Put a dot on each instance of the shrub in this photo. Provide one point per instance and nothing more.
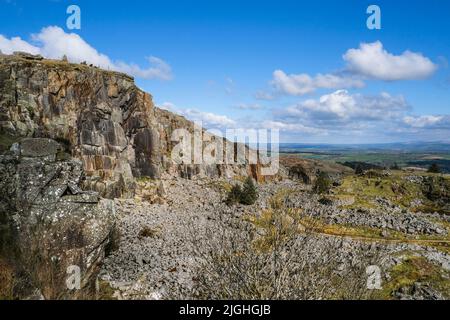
(326, 201)
(234, 195)
(246, 195)
(249, 193)
(359, 170)
(395, 166)
(323, 183)
(434, 168)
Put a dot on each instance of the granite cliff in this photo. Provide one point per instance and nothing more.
(70, 135)
(101, 117)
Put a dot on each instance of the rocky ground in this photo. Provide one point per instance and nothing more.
(156, 253)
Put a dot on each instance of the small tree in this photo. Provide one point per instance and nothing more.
(434, 168)
(359, 170)
(246, 195)
(249, 192)
(395, 166)
(323, 183)
(234, 195)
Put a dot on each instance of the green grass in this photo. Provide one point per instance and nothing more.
(416, 269)
(394, 188)
(378, 158)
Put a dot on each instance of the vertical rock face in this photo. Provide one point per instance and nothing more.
(49, 225)
(65, 128)
(100, 117)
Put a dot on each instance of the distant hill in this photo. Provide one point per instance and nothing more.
(429, 147)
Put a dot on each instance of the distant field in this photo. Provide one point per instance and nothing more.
(381, 155)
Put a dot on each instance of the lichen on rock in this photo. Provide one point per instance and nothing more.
(48, 222)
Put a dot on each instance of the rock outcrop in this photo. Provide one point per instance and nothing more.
(101, 117)
(48, 225)
(307, 170)
(66, 128)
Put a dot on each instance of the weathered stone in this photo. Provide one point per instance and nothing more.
(100, 117)
(51, 223)
(39, 147)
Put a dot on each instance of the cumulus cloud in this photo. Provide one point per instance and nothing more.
(53, 43)
(346, 117)
(369, 61)
(373, 61)
(301, 84)
(8, 46)
(427, 121)
(208, 119)
(292, 127)
(343, 106)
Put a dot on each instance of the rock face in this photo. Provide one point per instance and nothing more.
(307, 170)
(47, 222)
(100, 117)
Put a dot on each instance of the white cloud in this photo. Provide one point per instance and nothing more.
(53, 43)
(292, 127)
(342, 106)
(423, 121)
(373, 61)
(301, 84)
(369, 61)
(208, 119)
(169, 106)
(355, 117)
(8, 46)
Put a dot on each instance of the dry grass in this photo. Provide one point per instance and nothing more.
(148, 232)
(264, 257)
(7, 281)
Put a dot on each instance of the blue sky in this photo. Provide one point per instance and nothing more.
(266, 64)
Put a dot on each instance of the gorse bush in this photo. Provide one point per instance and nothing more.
(359, 170)
(323, 183)
(249, 192)
(434, 168)
(234, 195)
(246, 195)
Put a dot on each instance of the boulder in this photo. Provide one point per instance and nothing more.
(50, 225)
